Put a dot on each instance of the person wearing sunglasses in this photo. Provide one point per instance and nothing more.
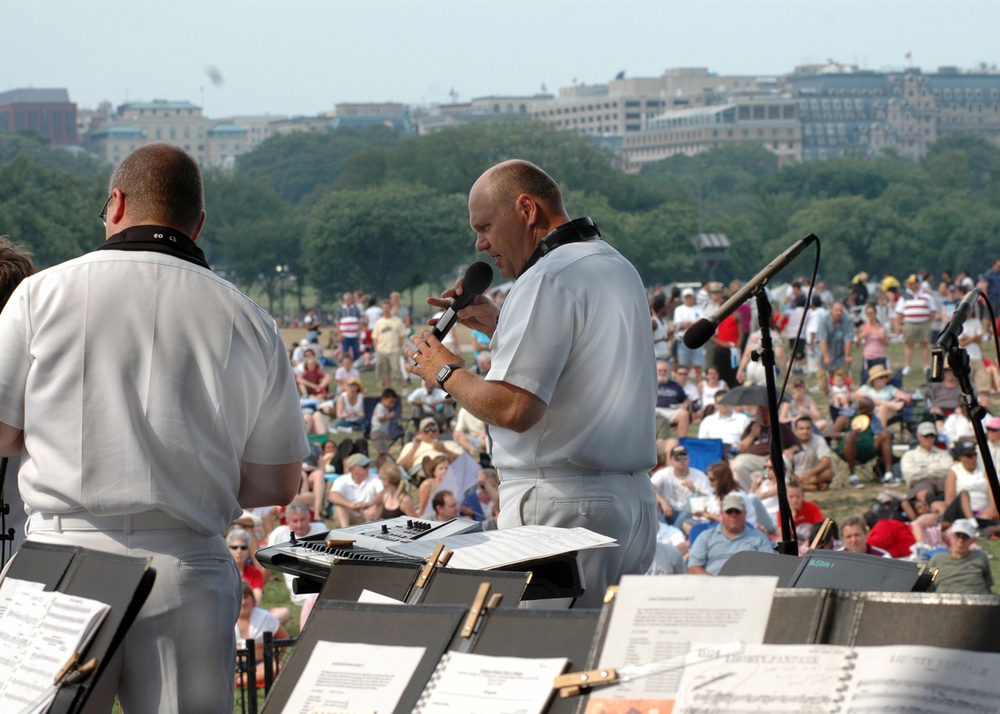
(426, 443)
(157, 403)
(717, 545)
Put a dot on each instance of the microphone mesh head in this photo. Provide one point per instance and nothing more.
(478, 278)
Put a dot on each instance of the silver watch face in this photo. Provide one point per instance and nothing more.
(443, 374)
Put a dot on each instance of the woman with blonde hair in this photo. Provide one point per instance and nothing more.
(394, 499)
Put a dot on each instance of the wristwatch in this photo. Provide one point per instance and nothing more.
(445, 372)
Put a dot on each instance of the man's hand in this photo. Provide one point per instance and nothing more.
(480, 315)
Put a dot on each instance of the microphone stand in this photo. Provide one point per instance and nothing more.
(958, 360)
(788, 544)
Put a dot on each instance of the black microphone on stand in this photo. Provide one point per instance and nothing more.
(700, 332)
(949, 336)
(477, 279)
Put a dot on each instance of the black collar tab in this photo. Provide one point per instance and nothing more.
(157, 239)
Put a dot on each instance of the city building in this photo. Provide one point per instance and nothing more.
(48, 112)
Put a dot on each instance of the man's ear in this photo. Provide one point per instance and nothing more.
(197, 230)
(526, 208)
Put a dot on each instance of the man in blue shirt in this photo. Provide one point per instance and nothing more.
(717, 545)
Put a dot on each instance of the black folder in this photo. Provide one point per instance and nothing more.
(120, 581)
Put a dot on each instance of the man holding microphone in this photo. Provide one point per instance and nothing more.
(571, 392)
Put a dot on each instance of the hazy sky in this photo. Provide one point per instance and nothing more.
(304, 56)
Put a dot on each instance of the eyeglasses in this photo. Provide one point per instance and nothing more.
(239, 547)
(681, 455)
(104, 211)
(734, 512)
(681, 374)
(430, 430)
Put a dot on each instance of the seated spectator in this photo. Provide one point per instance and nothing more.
(484, 360)
(426, 442)
(298, 521)
(804, 513)
(862, 438)
(691, 392)
(251, 624)
(967, 493)
(482, 501)
(962, 569)
(429, 480)
(888, 400)
(751, 371)
(894, 537)
(765, 488)
(840, 395)
(958, 427)
(676, 482)
(943, 397)
(854, 531)
(710, 509)
(925, 462)
(470, 432)
(755, 446)
(394, 499)
(431, 401)
(385, 411)
(239, 541)
(724, 423)
(710, 386)
(811, 457)
(312, 380)
(717, 545)
(353, 494)
(801, 405)
(672, 406)
(350, 407)
(345, 372)
(445, 506)
(993, 438)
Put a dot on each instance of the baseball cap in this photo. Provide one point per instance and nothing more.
(733, 500)
(357, 460)
(965, 526)
(678, 451)
(427, 421)
(994, 423)
(798, 383)
(687, 292)
(963, 448)
(926, 428)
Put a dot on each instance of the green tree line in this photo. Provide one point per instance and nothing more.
(374, 210)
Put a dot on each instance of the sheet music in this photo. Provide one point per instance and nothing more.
(42, 630)
(778, 679)
(494, 549)
(656, 618)
(485, 684)
(922, 680)
(353, 677)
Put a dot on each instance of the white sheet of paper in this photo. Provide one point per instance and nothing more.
(494, 549)
(370, 596)
(42, 630)
(923, 680)
(491, 685)
(352, 676)
(655, 618)
(778, 679)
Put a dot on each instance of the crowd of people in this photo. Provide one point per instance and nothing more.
(203, 420)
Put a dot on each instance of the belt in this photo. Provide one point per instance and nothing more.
(83, 521)
(556, 472)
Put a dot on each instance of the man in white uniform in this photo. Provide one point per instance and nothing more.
(570, 394)
(152, 402)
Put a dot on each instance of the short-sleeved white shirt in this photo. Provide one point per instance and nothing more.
(574, 331)
(352, 492)
(141, 381)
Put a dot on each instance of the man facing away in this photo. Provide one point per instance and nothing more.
(152, 402)
(570, 394)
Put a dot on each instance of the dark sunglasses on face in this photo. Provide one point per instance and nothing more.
(733, 511)
(429, 430)
(239, 547)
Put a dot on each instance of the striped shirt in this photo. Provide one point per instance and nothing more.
(916, 308)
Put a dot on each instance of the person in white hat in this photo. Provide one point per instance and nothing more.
(962, 569)
(684, 317)
(889, 399)
(925, 462)
(354, 492)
